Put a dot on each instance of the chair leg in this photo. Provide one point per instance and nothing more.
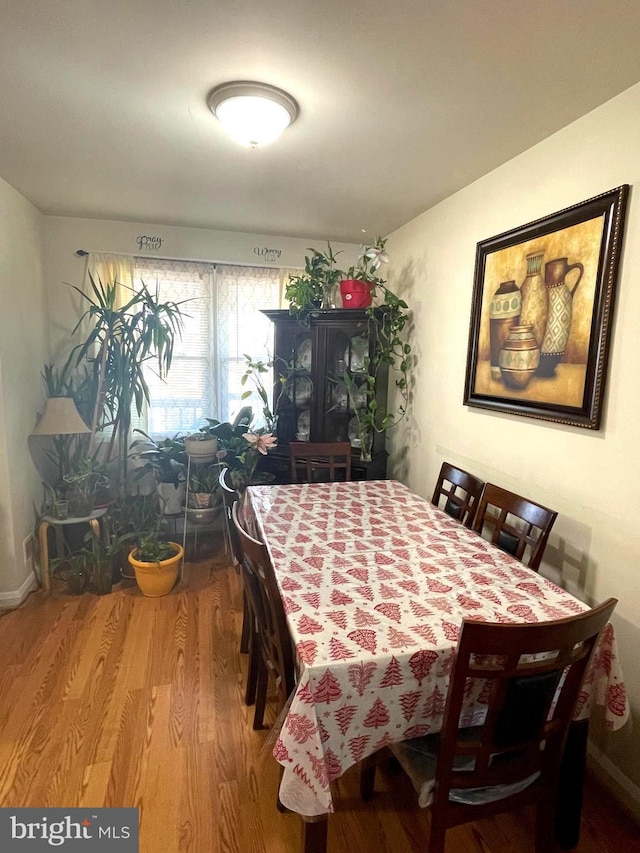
(279, 805)
(437, 835)
(261, 693)
(253, 668)
(367, 777)
(570, 789)
(246, 625)
(545, 841)
(314, 835)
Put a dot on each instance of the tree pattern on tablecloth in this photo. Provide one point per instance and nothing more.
(375, 584)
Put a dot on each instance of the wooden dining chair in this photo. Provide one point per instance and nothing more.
(531, 676)
(315, 461)
(457, 492)
(516, 525)
(229, 497)
(270, 648)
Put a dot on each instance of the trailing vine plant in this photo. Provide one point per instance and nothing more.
(388, 317)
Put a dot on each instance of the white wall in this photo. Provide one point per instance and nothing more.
(64, 235)
(590, 477)
(23, 351)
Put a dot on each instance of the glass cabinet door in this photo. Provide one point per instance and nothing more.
(293, 392)
(320, 383)
(347, 354)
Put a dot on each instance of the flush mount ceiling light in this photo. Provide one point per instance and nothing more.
(252, 113)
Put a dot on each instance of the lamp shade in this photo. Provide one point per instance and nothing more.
(253, 114)
(60, 418)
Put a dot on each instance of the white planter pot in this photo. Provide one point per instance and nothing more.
(201, 451)
(203, 516)
(172, 498)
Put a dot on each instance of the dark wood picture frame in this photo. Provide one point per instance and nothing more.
(543, 298)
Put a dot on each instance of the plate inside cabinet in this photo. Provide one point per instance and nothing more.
(304, 355)
(304, 425)
(359, 353)
(302, 390)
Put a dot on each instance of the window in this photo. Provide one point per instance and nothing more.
(222, 323)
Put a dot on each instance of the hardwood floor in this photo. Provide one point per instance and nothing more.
(122, 700)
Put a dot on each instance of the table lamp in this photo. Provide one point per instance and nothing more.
(60, 417)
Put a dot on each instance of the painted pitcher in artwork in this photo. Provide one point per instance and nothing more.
(558, 325)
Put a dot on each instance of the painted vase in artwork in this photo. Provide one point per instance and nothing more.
(519, 357)
(535, 300)
(504, 311)
(559, 318)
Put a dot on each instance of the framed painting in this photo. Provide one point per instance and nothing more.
(541, 314)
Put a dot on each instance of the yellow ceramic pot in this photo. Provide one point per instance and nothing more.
(156, 579)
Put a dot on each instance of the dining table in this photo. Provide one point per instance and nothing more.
(375, 582)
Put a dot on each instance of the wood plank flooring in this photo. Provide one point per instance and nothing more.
(122, 700)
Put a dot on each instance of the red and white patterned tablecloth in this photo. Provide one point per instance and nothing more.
(375, 583)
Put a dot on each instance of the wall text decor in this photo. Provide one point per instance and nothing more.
(149, 244)
(267, 254)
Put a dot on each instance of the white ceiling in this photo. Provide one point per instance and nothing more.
(103, 104)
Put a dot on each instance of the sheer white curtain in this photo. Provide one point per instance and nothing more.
(222, 323)
(242, 330)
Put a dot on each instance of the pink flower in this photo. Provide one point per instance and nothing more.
(262, 443)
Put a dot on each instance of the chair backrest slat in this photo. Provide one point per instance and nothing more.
(457, 492)
(312, 459)
(528, 532)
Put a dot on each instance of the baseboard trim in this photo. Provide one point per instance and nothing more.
(623, 789)
(17, 596)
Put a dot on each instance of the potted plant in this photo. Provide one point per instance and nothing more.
(240, 447)
(205, 499)
(166, 460)
(75, 568)
(122, 338)
(201, 446)
(358, 283)
(204, 486)
(129, 515)
(88, 486)
(156, 564)
(314, 288)
(387, 316)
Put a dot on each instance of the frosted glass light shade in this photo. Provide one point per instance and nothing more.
(253, 114)
(60, 417)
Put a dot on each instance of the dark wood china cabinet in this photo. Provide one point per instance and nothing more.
(315, 404)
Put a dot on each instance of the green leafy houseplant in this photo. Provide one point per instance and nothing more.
(152, 549)
(121, 340)
(156, 564)
(240, 448)
(76, 568)
(88, 483)
(388, 316)
(204, 487)
(255, 372)
(312, 289)
(165, 459)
